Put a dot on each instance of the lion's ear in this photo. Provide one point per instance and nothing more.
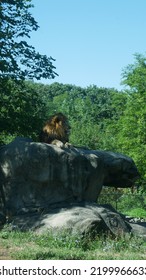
(57, 121)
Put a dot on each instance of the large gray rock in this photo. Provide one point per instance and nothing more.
(81, 218)
(119, 170)
(37, 177)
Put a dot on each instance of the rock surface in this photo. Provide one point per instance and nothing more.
(82, 217)
(79, 218)
(40, 178)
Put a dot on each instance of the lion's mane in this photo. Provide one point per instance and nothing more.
(56, 128)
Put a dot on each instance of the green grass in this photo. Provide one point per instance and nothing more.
(63, 246)
(136, 212)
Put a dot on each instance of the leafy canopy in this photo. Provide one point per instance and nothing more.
(18, 59)
(131, 127)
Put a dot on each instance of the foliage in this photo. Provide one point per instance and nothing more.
(132, 201)
(90, 108)
(22, 110)
(19, 60)
(111, 196)
(134, 75)
(131, 127)
(136, 212)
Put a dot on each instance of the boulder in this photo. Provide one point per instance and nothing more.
(37, 175)
(120, 170)
(83, 218)
(38, 178)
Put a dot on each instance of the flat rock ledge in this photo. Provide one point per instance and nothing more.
(79, 218)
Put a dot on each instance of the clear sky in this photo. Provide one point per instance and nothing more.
(91, 40)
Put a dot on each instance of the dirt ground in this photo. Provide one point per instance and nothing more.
(4, 253)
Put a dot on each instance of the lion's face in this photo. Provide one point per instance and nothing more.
(57, 127)
(60, 126)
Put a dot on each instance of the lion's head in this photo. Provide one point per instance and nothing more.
(56, 128)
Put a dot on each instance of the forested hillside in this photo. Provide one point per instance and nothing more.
(101, 118)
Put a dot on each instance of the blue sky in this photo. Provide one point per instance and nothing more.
(91, 40)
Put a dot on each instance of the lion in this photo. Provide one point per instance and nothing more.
(56, 131)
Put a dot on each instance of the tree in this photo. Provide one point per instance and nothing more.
(131, 128)
(23, 111)
(18, 59)
(134, 75)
